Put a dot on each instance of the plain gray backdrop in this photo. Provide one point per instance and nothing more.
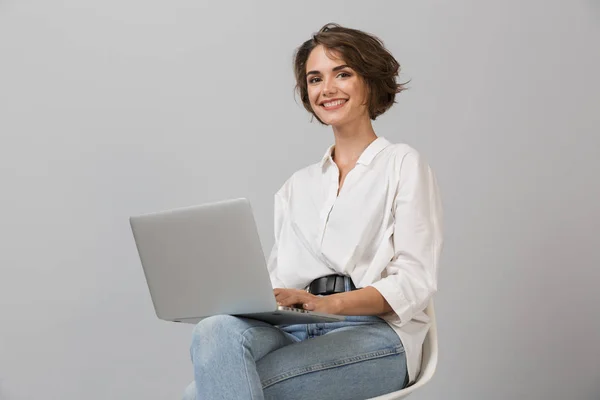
(117, 107)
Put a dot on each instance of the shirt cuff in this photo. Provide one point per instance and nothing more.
(400, 305)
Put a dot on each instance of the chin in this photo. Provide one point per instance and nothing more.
(336, 121)
(332, 120)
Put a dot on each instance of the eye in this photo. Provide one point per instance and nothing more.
(344, 73)
(312, 80)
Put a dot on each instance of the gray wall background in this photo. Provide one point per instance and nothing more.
(117, 107)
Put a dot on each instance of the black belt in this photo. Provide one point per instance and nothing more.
(331, 284)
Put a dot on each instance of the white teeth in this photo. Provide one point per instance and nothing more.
(334, 103)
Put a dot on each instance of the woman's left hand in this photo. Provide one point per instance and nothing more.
(307, 301)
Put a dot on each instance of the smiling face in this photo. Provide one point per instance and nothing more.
(337, 94)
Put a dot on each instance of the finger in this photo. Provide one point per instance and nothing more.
(283, 292)
(288, 297)
(283, 295)
(290, 300)
(286, 300)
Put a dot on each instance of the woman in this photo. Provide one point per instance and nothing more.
(369, 213)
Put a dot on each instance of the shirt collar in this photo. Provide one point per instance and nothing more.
(367, 155)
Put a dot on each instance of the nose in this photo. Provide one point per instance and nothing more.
(328, 87)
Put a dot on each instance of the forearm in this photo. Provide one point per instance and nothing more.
(366, 301)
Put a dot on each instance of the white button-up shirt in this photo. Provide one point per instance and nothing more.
(384, 230)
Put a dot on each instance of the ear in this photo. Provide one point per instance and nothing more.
(368, 92)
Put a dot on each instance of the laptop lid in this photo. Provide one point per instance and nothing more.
(203, 260)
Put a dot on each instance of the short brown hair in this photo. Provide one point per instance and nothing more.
(365, 54)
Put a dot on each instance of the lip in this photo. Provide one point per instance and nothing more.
(322, 104)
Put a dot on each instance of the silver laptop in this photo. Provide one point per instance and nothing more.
(207, 260)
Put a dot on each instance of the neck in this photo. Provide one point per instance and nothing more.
(351, 140)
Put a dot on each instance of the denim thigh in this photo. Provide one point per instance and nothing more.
(359, 358)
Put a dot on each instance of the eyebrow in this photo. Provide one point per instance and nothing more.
(333, 69)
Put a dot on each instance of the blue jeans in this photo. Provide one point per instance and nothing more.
(240, 358)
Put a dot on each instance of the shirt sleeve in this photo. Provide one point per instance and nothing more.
(272, 264)
(410, 278)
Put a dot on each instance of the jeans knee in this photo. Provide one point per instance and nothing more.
(212, 335)
(217, 326)
(216, 332)
(190, 392)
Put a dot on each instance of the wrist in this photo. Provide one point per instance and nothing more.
(337, 303)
